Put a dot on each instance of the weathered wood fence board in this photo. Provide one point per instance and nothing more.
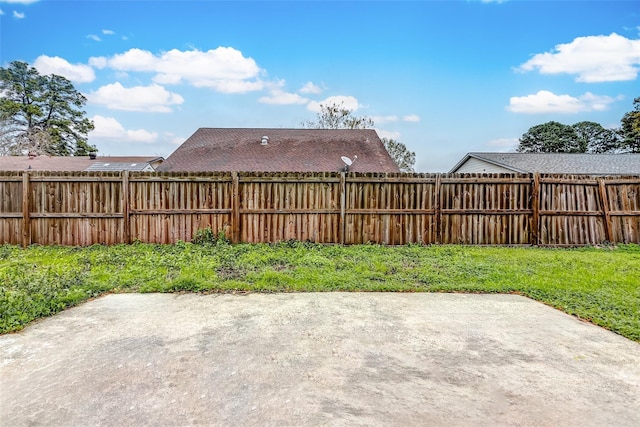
(572, 212)
(481, 211)
(277, 207)
(381, 210)
(82, 208)
(166, 210)
(623, 199)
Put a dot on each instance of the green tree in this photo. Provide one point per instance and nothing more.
(581, 137)
(404, 158)
(550, 137)
(630, 129)
(336, 116)
(42, 114)
(593, 138)
(339, 117)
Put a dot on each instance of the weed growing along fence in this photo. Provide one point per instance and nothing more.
(84, 208)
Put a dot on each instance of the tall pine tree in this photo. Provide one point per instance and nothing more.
(41, 114)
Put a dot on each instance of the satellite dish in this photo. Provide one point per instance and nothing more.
(347, 161)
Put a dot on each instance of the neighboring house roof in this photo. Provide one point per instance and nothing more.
(80, 163)
(120, 166)
(553, 163)
(287, 150)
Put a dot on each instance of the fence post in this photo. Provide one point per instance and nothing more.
(535, 207)
(438, 209)
(126, 217)
(343, 204)
(605, 209)
(26, 218)
(235, 207)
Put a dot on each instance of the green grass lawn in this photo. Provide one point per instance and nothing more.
(601, 285)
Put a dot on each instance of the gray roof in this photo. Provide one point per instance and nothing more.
(119, 166)
(287, 150)
(561, 163)
(79, 163)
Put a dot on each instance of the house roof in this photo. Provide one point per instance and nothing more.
(80, 163)
(561, 163)
(119, 166)
(288, 150)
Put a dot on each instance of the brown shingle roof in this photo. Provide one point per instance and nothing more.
(72, 164)
(288, 150)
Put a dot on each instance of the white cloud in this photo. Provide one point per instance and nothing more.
(385, 119)
(142, 135)
(94, 38)
(174, 139)
(279, 97)
(154, 98)
(98, 62)
(387, 134)
(110, 128)
(19, 1)
(1, 12)
(18, 15)
(166, 79)
(503, 144)
(310, 88)
(348, 102)
(548, 102)
(233, 86)
(108, 32)
(224, 69)
(393, 118)
(106, 127)
(77, 73)
(591, 59)
(133, 60)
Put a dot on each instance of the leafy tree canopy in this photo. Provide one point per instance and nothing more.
(630, 129)
(404, 158)
(339, 117)
(336, 116)
(41, 114)
(593, 138)
(582, 137)
(550, 137)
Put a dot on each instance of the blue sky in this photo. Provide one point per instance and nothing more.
(443, 77)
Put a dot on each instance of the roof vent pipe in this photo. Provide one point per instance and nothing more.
(265, 140)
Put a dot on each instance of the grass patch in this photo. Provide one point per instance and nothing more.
(601, 285)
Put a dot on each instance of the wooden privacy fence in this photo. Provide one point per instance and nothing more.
(84, 208)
